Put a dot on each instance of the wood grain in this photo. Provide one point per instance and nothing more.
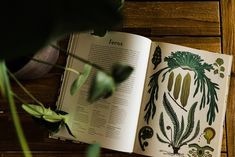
(228, 42)
(172, 18)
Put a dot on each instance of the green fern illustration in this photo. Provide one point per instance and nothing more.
(180, 134)
(204, 85)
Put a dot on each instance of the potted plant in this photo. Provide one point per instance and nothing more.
(58, 19)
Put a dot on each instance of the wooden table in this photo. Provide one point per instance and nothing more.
(208, 25)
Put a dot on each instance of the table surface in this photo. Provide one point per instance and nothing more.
(208, 25)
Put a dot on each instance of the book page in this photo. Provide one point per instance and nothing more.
(110, 122)
(184, 102)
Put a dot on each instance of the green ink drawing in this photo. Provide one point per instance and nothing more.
(157, 57)
(170, 81)
(145, 133)
(185, 90)
(219, 68)
(198, 151)
(180, 134)
(177, 86)
(192, 63)
(209, 134)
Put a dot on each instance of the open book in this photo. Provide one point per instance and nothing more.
(173, 104)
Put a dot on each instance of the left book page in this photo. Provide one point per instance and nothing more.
(110, 122)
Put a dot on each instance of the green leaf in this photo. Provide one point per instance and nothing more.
(102, 86)
(162, 126)
(33, 110)
(121, 72)
(3, 74)
(41, 112)
(6, 88)
(220, 61)
(81, 79)
(93, 150)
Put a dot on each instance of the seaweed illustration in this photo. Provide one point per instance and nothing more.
(209, 134)
(157, 57)
(145, 133)
(191, 62)
(219, 70)
(198, 151)
(180, 134)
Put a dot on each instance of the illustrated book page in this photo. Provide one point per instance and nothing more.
(110, 122)
(184, 102)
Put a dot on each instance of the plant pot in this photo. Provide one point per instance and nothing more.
(25, 68)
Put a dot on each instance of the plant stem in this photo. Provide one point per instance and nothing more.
(24, 89)
(78, 58)
(56, 65)
(14, 114)
(19, 98)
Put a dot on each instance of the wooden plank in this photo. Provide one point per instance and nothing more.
(204, 43)
(228, 36)
(172, 18)
(74, 154)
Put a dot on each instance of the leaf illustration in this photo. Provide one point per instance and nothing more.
(170, 81)
(197, 130)
(222, 69)
(162, 126)
(177, 86)
(216, 71)
(171, 113)
(220, 61)
(157, 57)
(161, 140)
(190, 124)
(185, 90)
(179, 134)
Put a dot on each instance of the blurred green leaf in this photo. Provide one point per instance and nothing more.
(3, 73)
(93, 150)
(77, 83)
(52, 127)
(7, 92)
(52, 120)
(102, 86)
(121, 72)
(34, 110)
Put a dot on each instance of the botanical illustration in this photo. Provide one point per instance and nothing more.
(198, 151)
(145, 133)
(178, 134)
(209, 134)
(184, 89)
(188, 62)
(157, 57)
(219, 68)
